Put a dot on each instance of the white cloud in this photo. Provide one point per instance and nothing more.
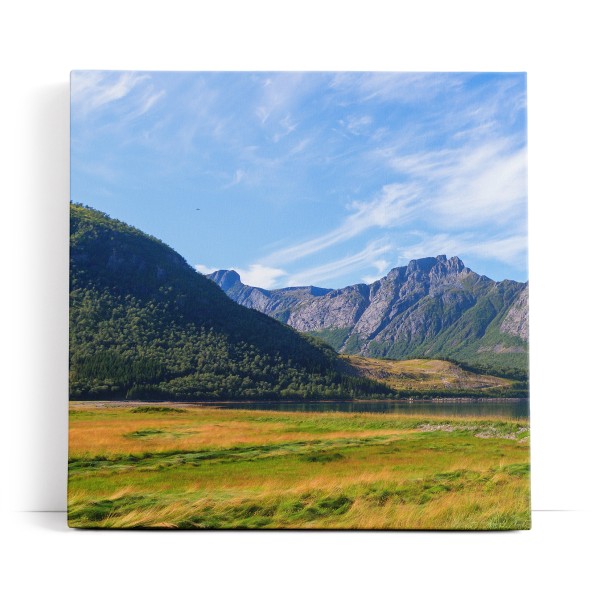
(256, 275)
(237, 178)
(150, 99)
(116, 91)
(83, 83)
(205, 270)
(287, 126)
(483, 187)
(487, 185)
(394, 205)
(300, 146)
(263, 112)
(357, 125)
(397, 87)
(382, 267)
(91, 90)
(471, 186)
(367, 257)
(427, 165)
(280, 92)
(508, 249)
(260, 275)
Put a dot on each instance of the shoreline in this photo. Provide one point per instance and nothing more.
(403, 401)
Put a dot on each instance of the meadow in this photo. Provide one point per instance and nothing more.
(426, 375)
(143, 465)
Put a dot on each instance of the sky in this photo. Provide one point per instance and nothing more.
(326, 179)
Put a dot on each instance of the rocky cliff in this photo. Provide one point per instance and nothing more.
(430, 307)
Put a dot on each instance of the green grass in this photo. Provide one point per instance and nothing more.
(251, 469)
(335, 337)
(156, 409)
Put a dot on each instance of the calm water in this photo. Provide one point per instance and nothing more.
(510, 409)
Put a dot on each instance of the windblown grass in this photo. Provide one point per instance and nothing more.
(210, 468)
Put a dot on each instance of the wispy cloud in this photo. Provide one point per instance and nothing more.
(483, 191)
(396, 87)
(260, 275)
(237, 179)
(506, 248)
(339, 160)
(90, 90)
(381, 267)
(256, 275)
(469, 186)
(509, 250)
(280, 92)
(394, 205)
(357, 125)
(449, 188)
(369, 257)
(149, 100)
(286, 126)
(300, 146)
(206, 270)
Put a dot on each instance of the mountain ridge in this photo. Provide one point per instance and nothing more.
(431, 307)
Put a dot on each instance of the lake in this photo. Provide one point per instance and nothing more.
(511, 408)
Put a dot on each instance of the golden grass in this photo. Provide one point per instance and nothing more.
(111, 437)
(423, 374)
(332, 470)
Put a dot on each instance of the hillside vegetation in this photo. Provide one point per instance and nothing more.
(144, 324)
(428, 375)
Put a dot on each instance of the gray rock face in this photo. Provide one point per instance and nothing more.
(336, 309)
(516, 321)
(431, 306)
(276, 303)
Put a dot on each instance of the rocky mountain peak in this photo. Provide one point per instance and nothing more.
(225, 279)
(440, 262)
(394, 274)
(447, 267)
(432, 305)
(423, 265)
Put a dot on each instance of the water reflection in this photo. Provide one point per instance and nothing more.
(509, 409)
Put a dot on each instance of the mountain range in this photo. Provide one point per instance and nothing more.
(143, 324)
(432, 307)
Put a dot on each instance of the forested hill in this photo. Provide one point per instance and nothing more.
(146, 325)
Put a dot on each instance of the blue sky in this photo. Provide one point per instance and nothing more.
(314, 178)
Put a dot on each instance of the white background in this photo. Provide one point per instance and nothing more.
(555, 42)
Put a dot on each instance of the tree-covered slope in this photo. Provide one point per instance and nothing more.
(144, 324)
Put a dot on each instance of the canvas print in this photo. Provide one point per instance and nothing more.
(298, 301)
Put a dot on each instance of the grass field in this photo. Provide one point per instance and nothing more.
(424, 374)
(180, 466)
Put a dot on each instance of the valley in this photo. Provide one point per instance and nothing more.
(173, 387)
